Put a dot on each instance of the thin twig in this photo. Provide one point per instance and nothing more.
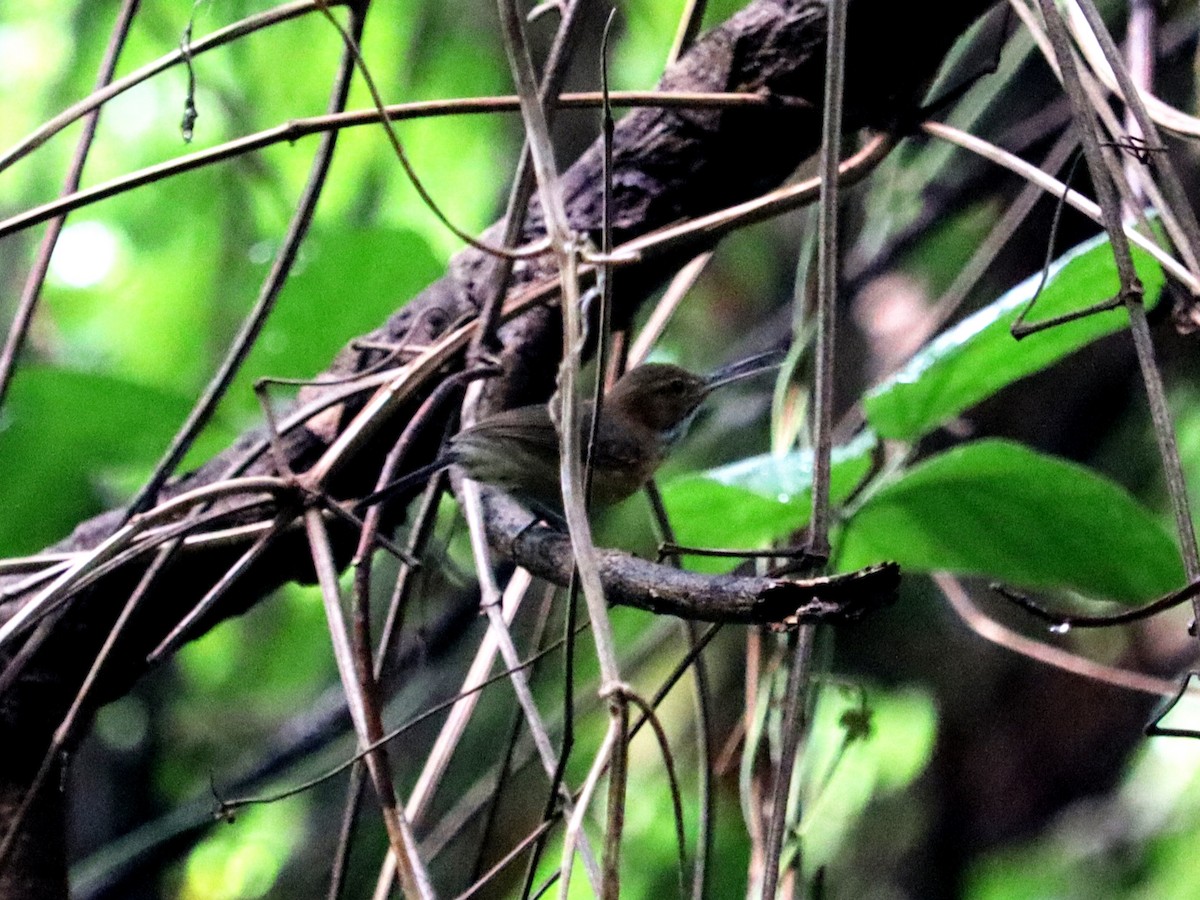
(661, 315)
(574, 833)
(1090, 40)
(1052, 185)
(554, 73)
(487, 834)
(37, 275)
(228, 806)
(180, 632)
(87, 563)
(704, 748)
(690, 20)
(405, 163)
(98, 98)
(1061, 623)
(618, 782)
(447, 740)
(67, 729)
(565, 247)
(392, 628)
(991, 630)
(664, 745)
(295, 129)
(797, 696)
(604, 289)
(533, 837)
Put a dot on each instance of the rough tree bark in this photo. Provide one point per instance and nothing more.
(670, 165)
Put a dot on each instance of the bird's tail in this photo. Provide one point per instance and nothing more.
(405, 482)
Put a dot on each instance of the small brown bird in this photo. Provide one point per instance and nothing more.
(644, 415)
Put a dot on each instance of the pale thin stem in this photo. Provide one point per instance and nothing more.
(618, 782)
(1095, 46)
(392, 626)
(1177, 199)
(66, 730)
(473, 511)
(456, 723)
(517, 210)
(565, 248)
(665, 309)
(86, 564)
(690, 20)
(795, 725)
(413, 876)
(176, 637)
(574, 835)
(1141, 38)
(796, 699)
(1176, 216)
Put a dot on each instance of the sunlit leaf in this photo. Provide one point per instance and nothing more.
(754, 502)
(1000, 510)
(979, 356)
(845, 771)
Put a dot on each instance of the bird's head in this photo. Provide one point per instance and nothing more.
(661, 397)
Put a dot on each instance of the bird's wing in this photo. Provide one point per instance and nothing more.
(527, 425)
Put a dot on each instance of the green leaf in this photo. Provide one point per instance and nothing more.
(979, 356)
(998, 509)
(760, 500)
(63, 435)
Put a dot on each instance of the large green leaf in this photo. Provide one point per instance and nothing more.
(998, 509)
(64, 435)
(760, 500)
(979, 356)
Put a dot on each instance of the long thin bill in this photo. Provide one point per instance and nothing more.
(744, 368)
